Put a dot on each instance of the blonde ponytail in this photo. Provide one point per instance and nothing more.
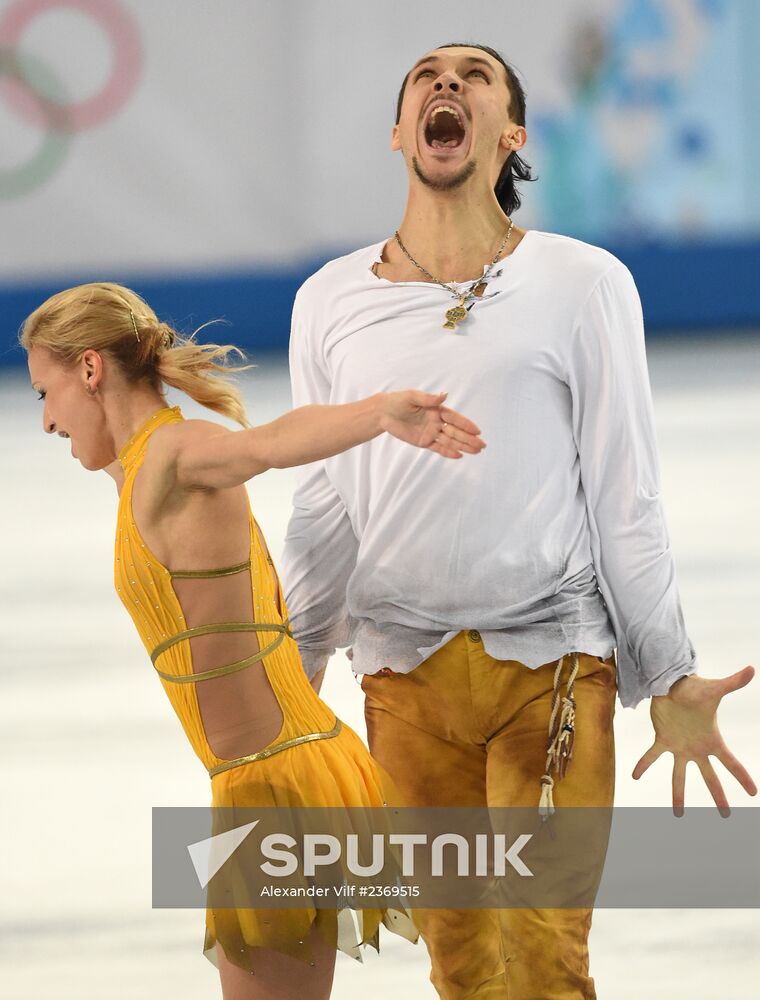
(107, 317)
(195, 370)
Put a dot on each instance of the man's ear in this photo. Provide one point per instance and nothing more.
(513, 138)
(395, 139)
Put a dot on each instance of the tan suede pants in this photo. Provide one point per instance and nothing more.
(464, 729)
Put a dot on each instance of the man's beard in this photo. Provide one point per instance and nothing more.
(445, 183)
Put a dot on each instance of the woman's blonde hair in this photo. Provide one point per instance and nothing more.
(104, 316)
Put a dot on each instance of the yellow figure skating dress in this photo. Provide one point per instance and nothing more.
(314, 760)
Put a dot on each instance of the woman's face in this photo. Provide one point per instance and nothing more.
(69, 410)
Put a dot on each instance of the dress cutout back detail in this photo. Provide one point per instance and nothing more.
(313, 762)
(153, 580)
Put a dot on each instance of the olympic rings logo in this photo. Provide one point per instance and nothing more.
(34, 92)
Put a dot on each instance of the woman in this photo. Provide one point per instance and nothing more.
(99, 357)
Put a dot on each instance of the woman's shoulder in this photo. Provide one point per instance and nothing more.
(166, 446)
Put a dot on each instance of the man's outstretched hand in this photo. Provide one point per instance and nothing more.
(685, 722)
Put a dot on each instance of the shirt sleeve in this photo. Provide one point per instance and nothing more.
(613, 424)
(320, 548)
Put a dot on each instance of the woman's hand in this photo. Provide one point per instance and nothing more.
(419, 418)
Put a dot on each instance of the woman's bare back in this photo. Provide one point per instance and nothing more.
(204, 529)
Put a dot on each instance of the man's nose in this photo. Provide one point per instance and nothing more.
(447, 81)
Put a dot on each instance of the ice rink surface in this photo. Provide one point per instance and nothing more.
(90, 743)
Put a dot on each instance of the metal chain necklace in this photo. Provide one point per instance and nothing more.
(458, 313)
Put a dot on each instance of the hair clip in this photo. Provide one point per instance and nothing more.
(134, 324)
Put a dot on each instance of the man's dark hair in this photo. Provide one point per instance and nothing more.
(515, 168)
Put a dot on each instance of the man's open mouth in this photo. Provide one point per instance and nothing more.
(445, 127)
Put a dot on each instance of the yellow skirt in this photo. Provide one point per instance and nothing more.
(324, 773)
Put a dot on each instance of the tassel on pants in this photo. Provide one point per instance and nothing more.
(464, 729)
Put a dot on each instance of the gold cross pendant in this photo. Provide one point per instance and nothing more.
(455, 315)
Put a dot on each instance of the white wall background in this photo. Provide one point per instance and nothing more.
(258, 132)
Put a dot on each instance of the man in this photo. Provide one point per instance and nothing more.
(484, 602)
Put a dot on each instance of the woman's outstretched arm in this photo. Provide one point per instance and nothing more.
(206, 456)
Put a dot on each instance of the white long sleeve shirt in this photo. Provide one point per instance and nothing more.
(553, 538)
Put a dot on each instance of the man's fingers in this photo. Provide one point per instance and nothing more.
(679, 785)
(648, 758)
(736, 681)
(713, 783)
(739, 771)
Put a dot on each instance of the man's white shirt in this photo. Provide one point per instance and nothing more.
(553, 538)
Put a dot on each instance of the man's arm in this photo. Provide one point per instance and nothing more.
(613, 424)
(614, 427)
(320, 545)
(317, 561)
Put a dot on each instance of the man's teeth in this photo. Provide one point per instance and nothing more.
(450, 110)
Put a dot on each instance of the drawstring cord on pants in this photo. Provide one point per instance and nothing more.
(561, 735)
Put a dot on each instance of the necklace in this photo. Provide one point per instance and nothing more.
(458, 313)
